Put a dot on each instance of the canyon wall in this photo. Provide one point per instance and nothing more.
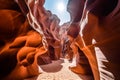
(99, 36)
(30, 35)
(22, 49)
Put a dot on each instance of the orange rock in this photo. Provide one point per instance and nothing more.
(76, 10)
(24, 63)
(20, 45)
(8, 29)
(34, 40)
(99, 36)
(24, 52)
(30, 57)
(19, 42)
(81, 69)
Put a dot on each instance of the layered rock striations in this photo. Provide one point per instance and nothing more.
(30, 36)
(99, 36)
(20, 44)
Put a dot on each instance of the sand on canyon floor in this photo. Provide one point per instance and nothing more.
(59, 70)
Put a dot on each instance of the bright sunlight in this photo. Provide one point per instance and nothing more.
(61, 7)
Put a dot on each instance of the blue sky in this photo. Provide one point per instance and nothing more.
(58, 7)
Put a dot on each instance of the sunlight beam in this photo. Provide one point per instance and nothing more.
(61, 7)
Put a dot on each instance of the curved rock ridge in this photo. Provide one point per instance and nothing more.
(98, 37)
(30, 36)
(22, 49)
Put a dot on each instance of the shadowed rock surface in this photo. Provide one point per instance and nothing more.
(20, 44)
(30, 36)
(99, 37)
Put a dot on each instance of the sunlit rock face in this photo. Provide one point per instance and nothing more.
(99, 31)
(47, 24)
(29, 37)
(22, 49)
(104, 38)
(80, 62)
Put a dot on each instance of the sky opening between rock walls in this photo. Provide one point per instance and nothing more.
(58, 7)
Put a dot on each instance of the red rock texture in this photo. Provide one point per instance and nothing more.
(25, 40)
(20, 45)
(45, 23)
(99, 36)
(90, 40)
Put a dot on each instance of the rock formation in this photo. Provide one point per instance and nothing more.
(103, 41)
(99, 36)
(80, 62)
(45, 23)
(30, 36)
(20, 45)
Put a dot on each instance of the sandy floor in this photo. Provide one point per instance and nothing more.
(58, 70)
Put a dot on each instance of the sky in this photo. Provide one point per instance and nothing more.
(58, 7)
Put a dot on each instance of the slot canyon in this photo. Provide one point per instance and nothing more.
(34, 45)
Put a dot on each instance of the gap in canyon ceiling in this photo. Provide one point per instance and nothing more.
(59, 8)
(59, 39)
